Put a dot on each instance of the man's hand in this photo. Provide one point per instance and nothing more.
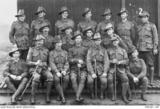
(64, 72)
(94, 76)
(39, 63)
(80, 61)
(79, 65)
(18, 77)
(13, 77)
(58, 74)
(155, 51)
(104, 75)
(135, 79)
(115, 61)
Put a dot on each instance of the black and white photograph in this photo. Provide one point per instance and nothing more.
(88, 53)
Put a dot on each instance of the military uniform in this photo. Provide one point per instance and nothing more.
(35, 54)
(60, 24)
(58, 60)
(138, 69)
(16, 68)
(120, 69)
(49, 42)
(126, 31)
(37, 24)
(77, 53)
(97, 55)
(19, 35)
(147, 42)
(87, 22)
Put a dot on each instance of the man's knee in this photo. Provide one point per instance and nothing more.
(66, 78)
(36, 77)
(145, 81)
(103, 80)
(7, 80)
(24, 80)
(73, 77)
(49, 76)
(57, 79)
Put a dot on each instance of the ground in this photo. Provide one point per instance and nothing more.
(153, 99)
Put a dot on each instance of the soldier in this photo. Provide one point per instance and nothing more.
(138, 72)
(107, 41)
(38, 23)
(58, 61)
(15, 74)
(38, 60)
(97, 65)
(107, 19)
(88, 42)
(19, 34)
(64, 21)
(67, 38)
(118, 61)
(87, 14)
(49, 39)
(147, 42)
(77, 57)
(126, 30)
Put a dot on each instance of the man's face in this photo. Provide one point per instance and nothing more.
(110, 31)
(45, 31)
(16, 55)
(135, 54)
(124, 15)
(22, 18)
(108, 17)
(98, 41)
(65, 14)
(68, 31)
(89, 33)
(144, 19)
(41, 14)
(39, 43)
(58, 45)
(78, 39)
(115, 42)
(88, 15)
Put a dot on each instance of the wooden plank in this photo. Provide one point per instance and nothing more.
(158, 14)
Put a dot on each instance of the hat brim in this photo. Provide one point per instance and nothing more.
(105, 14)
(122, 12)
(62, 11)
(19, 15)
(86, 13)
(74, 37)
(141, 16)
(67, 28)
(41, 29)
(36, 13)
(90, 29)
(12, 52)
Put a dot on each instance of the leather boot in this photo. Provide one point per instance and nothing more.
(19, 90)
(79, 91)
(112, 92)
(151, 72)
(124, 92)
(49, 87)
(33, 90)
(143, 97)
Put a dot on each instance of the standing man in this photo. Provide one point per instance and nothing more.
(58, 61)
(147, 42)
(137, 74)
(107, 19)
(49, 39)
(38, 23)
(126, 30)
(87, 14)
(38, 61)
(88, 42)
(118, 61)
(19, 34)
(64, 21)
(67, 40)
(77, 58)
(97, 65)
(15, 74)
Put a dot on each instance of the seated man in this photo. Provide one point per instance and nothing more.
(97, 65)
(138, 72)
(58, 61)
(118, 60)
(77, 57)
(37, 59)
(15, 74)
